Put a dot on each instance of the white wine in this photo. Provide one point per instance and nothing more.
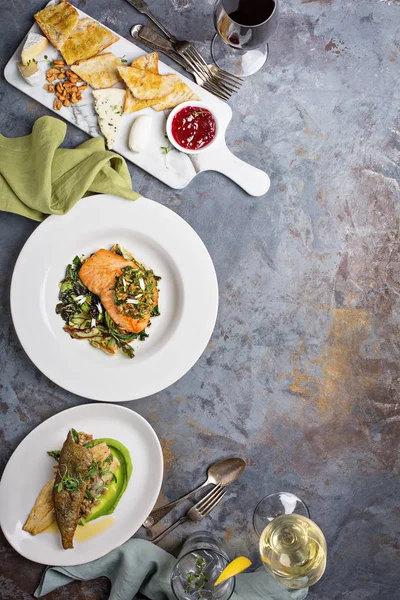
(294, 549)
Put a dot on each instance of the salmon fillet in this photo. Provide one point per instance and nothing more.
(98, 273)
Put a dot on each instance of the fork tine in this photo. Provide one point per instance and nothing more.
(196, 54)
(214, 86)
(215, 503)
(201, 65)
(210, 85)
(210, 89)
(209, 496)
(222, 84)
(232, 84)
(229, 79)
(236, 78)
(213, 89)
(210, 502)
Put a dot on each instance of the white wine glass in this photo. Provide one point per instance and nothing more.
(244, 28)
(292, 547)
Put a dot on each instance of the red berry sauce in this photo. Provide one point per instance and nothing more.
(193, 127)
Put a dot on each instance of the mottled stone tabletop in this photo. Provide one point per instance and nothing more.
(302, 375)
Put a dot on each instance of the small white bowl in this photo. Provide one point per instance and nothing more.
(169, 127)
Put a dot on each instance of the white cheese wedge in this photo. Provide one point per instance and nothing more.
(31, 73)
(34, 45)
(109, 105)
(140, 134)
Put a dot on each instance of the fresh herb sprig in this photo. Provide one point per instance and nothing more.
(197, 579)
(68, 482)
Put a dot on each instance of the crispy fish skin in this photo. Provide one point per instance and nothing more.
(76, 461)
(98, 273)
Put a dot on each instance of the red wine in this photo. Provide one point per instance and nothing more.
(249, 12)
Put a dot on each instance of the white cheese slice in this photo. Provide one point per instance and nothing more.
(31, 73)
(34, 45)
(109, 104)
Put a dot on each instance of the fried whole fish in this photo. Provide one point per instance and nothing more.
(69, 488)
(98, 273)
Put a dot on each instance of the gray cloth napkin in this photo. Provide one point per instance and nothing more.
(140, 566)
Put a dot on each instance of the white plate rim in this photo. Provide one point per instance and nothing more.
(196, 349)
(70, 559)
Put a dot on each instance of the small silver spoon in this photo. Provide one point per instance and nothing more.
(221, 473)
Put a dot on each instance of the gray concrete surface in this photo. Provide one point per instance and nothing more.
(301, 376)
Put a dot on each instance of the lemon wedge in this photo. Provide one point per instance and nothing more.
(238, 565)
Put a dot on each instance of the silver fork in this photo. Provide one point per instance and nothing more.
(210, 73)
(197, 512)
(155, 41)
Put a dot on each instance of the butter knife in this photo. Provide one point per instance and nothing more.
(149, 37)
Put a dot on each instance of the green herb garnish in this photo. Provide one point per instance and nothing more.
(197, 579)
(92, 470)
(89, 495)
(68, 482)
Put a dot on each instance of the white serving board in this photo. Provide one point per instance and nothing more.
(175, 169)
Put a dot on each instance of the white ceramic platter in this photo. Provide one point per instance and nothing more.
(188, 301)
(176, 169)
(29, 468)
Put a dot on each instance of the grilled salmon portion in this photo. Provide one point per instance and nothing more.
(98, 273)
(69, 488)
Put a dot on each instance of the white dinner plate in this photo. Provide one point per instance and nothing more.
(188, 299)
(29, 468)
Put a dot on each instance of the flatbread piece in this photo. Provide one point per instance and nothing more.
(99, 71)
(180, 93)
(57, 22)
(87, 39)
(148, 62)
(145, 85)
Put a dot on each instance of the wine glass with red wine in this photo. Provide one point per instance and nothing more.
(244, 28)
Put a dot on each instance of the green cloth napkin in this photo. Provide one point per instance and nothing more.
(142, 567)
(37, 178)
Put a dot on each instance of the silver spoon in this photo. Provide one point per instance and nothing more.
(222, 472)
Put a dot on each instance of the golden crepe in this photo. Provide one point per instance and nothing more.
(148, 62)
(145, 85)
(99, 71)
(180, 93)
(57, 22)
(87, 39)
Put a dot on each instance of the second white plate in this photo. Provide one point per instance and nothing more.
(157, 237)
(29, 468)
